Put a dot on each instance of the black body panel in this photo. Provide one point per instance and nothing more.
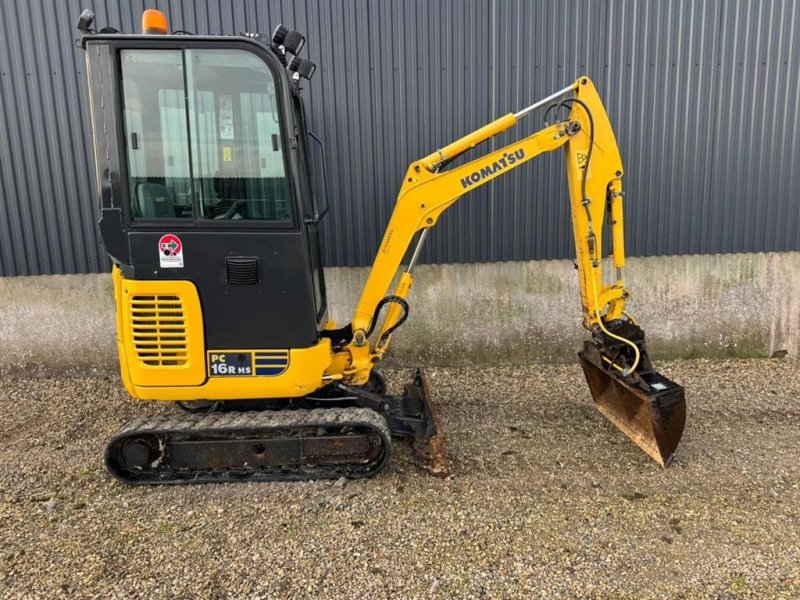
(277, 312)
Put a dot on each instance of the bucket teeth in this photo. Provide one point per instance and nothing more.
(646, 406)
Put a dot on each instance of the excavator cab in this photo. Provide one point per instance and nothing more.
(207, 179)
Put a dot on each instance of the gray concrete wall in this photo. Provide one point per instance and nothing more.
(734, 305)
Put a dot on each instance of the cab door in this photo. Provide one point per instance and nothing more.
(209, 161)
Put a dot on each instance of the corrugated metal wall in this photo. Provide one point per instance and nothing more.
(704, 96)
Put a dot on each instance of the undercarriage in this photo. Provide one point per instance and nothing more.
(338, 432)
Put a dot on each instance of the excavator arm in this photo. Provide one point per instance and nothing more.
(645, 405)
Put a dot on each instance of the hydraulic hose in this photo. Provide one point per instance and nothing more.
(629, 317)
(637, 355)
(595, 264)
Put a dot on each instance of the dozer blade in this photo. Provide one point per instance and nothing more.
(429, 447)
(649, 408)
(411, 415)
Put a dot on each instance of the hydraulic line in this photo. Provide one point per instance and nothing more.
(625, 372)
(595, 262)
(629, 317)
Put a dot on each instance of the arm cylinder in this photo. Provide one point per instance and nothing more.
(617, 230)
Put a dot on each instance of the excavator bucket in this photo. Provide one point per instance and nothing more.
(649, 408)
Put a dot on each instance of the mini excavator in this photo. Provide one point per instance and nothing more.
(210, 207)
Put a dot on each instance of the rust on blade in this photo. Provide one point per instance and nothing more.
(649, 408)
(430, 449)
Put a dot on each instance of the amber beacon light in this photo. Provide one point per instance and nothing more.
(153, 21)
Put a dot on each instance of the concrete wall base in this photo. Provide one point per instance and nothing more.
(731, 305)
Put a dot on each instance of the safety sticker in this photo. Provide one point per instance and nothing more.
(170, 251)
(226, 117)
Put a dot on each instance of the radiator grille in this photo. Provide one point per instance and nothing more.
(159, 330)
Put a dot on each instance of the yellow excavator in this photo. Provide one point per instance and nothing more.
(210, 205)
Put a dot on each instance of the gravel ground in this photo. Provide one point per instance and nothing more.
(546, 500)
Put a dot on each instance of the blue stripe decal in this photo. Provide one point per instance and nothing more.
(272, 361)
(270, 371)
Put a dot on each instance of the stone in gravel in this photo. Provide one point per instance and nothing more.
(49, 505)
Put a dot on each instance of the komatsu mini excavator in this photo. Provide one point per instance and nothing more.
(210, 213)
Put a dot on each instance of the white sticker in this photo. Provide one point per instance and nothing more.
(170, 251)
(226, 117)
(658, 387)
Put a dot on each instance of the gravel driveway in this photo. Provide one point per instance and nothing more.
(546, 500)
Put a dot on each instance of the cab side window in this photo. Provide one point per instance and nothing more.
(154, 115)
(203, 136)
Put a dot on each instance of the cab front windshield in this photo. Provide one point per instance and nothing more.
(202, 134)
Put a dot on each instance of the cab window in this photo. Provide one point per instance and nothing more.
(202, 135)
(155, 134)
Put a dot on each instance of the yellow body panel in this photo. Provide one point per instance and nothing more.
(303, 376)
(162, 332)
(116, 277)
(163, 355)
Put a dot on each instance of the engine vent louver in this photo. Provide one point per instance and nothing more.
(241, 270)
(159, 330)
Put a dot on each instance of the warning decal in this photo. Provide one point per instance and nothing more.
(226, 117)
(170, 251)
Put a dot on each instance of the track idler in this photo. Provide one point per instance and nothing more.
(646, 406)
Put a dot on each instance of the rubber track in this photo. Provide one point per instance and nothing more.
(250, 422)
